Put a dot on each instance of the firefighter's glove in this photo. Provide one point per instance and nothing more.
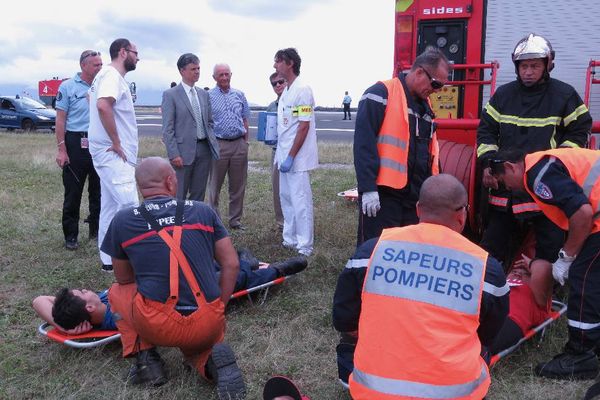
(560, 270)
(287, 164)
(370, 203)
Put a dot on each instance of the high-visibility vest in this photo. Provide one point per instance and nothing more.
(417, 333)
(584, 168)
(393, 141)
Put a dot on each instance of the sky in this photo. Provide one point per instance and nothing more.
(344, 44)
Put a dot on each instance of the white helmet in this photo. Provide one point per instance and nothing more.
(533, 46)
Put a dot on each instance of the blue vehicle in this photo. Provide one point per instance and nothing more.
(25, 113)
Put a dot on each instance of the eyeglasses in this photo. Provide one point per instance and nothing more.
(279, 82)
(89, 54)
(466, 207)
(132, 51)
(435, 84)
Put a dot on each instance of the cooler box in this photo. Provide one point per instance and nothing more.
(267, 127)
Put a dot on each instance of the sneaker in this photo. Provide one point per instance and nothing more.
(239, 227)
(305, 252)
(107, 268)
(569, 365)
(288, 245)
(149, 368)
(290, 266)
(246, 256)
(71, 244)
(222, 368)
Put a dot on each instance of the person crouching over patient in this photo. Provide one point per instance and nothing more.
(167, 293)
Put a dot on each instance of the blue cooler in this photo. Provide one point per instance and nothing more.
(267, 127)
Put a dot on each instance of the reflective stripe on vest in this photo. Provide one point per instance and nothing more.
(419, 390)
(439, 276)
(525, 207)
(421, 299)
(394, 138)
(584, 168)
(498, 201)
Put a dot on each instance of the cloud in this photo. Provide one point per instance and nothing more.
(264, 9)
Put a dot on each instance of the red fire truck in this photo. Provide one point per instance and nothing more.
(478, 37)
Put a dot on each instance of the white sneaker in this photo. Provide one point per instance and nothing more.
(305, 252)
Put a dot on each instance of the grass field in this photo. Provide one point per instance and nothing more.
(290, 333)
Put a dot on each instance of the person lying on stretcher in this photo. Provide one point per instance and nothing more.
(530, 301)
(76, 311)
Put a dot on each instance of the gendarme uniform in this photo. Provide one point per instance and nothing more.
(296, 105)
(72, 99)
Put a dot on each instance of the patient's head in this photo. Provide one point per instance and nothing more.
(72, 307)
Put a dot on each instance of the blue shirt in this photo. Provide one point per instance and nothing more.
(109, 322)
(72, 99)
(229, 109)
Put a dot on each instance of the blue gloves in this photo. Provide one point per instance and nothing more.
(287, 164)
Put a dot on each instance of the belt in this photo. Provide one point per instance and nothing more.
(78, 132)
(230, 139)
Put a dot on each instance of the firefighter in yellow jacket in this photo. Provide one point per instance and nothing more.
(424, 316)
(565, 184)
(395, 145)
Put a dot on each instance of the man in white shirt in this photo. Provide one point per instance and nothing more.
(296, 153)
(113, 137)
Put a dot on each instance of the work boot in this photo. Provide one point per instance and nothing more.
(149, 368)
(222, 369)
(71, 244)
(290, 266)
(246, 256)
(570, 364)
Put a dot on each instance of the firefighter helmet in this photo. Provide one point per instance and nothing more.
(534, 46)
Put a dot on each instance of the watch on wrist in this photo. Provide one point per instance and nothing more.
(563, 255)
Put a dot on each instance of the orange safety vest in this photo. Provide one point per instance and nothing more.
(393, 141)
(584, 168)
(417, 333)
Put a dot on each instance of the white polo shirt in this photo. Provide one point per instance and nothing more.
(110, 83)
(297, 104)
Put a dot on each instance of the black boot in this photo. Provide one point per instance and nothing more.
(222, 368)
(290, 266)
(572, 363)
(149, 368)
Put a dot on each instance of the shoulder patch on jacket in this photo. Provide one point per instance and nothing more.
(543, 191)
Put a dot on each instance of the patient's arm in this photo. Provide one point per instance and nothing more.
(541, 282)
(43, 307)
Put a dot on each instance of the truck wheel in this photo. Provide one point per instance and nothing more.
(27, 125)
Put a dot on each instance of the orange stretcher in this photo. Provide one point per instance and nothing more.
(558, 309)
(98, 337)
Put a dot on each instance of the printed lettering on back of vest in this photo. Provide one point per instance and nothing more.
(440, 276)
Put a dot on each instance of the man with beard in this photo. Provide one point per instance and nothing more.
(113, 137)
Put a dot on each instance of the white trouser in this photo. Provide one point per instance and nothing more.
(117, 188)
(297, 206)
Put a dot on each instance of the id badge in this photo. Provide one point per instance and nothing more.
(84, 143)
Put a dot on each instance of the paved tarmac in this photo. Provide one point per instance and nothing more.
(330, 125)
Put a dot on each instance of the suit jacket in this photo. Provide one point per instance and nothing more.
(179, 125)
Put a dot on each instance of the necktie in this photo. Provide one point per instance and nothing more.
(197, 115)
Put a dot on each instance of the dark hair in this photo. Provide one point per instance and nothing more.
(273, 76)
(117, 45)
(69, 310)
(187, 58)
(511, 154)
(290, 55)
(431, 57)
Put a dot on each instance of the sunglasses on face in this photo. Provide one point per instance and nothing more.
(279, 82)
(90, 54)
(435, 84)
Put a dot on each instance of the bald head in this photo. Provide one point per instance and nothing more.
(442, 200)
(155, 177)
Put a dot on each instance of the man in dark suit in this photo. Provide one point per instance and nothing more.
(188, 130)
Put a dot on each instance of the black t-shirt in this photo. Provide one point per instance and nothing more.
(129, 237)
